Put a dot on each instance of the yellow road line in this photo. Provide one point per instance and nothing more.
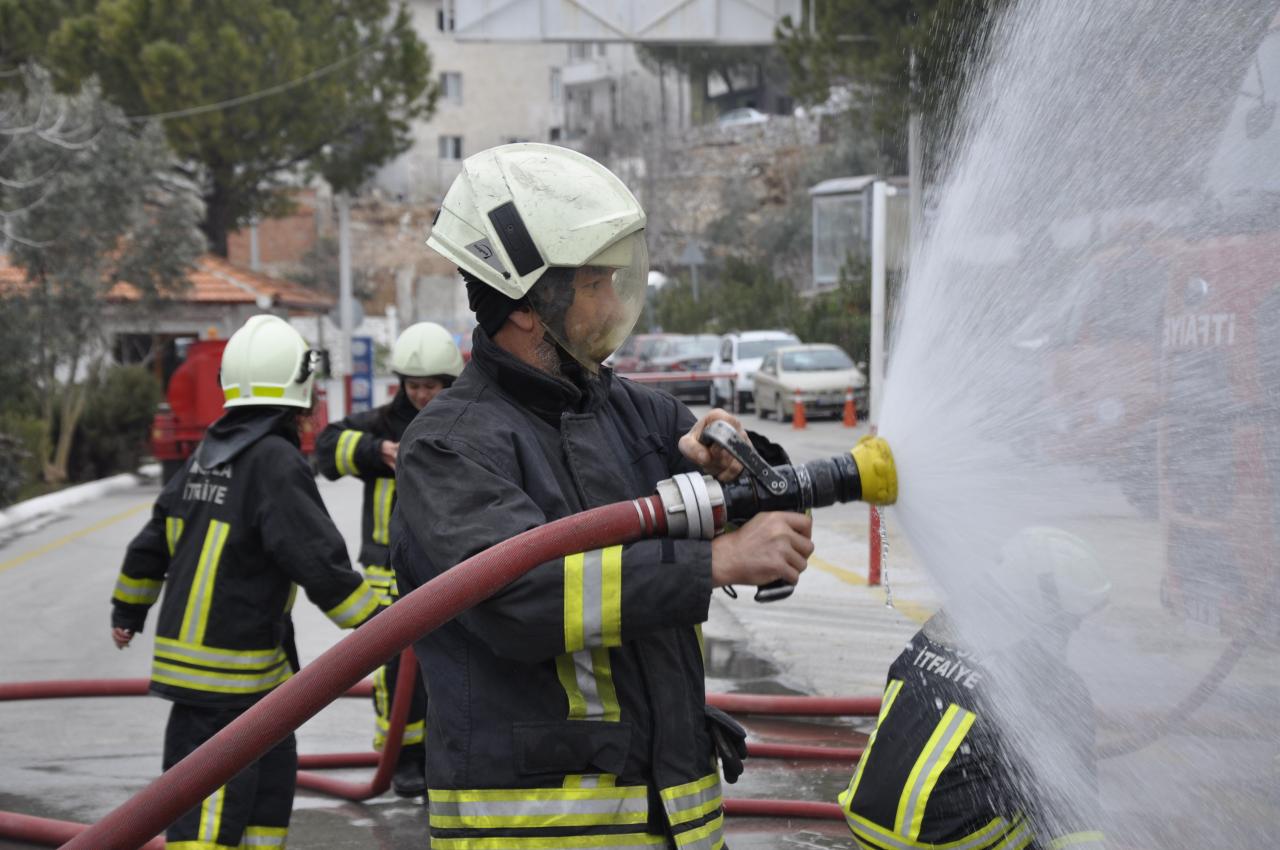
(911, 610)
(75, 535)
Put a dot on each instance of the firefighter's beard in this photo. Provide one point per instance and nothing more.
(547, 356)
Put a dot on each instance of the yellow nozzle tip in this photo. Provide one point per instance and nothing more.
(876, 469)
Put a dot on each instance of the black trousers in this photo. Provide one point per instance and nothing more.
(252, 809)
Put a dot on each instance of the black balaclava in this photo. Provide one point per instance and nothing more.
(490, 306)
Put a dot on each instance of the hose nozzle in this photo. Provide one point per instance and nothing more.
(876, 470)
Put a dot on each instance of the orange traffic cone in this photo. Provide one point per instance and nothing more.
(798, 420)
(850, 412)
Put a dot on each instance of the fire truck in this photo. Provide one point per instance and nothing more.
(194, 401)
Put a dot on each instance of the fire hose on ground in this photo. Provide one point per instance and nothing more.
(688, 505)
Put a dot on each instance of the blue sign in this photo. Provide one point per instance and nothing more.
(361, 373)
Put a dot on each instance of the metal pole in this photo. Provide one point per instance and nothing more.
(694, 270)
(345, 298)
(255, 259)
(879, 192)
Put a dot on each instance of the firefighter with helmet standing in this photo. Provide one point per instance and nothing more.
(943, 767)
(231, 538)
(364, 445)
(568, 710)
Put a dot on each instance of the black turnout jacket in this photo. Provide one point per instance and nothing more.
(231, 538)
(572, 702)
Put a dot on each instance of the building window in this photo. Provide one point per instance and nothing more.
(600, 47)
(445, 15)
(578, 51)
(557, 86)
(451, 147)
(451, 86)
(585, 102)
(554, 134)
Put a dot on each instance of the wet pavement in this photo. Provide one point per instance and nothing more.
(77, 759)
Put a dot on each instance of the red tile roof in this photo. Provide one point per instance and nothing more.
(212, 281)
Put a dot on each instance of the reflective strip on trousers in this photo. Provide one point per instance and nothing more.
(172, 532)
(264, 836)
(1017, 839)
(344, 455)
(539, 808)
(384, 493)
(137, 591)
(196, 618)
(692, 800)
(934, 758)
(356, 608)
(211, 815)
(865, 830)
(890, 694)
(383, 579)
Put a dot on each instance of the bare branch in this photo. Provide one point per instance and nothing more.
(10, 236)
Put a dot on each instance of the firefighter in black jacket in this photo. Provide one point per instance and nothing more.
(231, 538)
(945, 767)
(567, 710)
(364, 445)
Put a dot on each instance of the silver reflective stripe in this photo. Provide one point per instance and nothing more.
(709, 836)
(940, 747)
(262, 841)
(1016, 839)
(249, 659)
(585, 672)
(202, 585)
(685, 807)
(863, 829)
(592, 597)
(540, 808)
(182, 677)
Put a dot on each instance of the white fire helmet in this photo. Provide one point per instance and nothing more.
(425, 350)
(267, 362)
(526, 214)
(1047, 573)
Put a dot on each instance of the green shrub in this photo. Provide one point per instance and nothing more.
(22, 450)
(113, 432)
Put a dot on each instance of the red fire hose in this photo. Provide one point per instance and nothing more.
(48, 831)
(280, 712)
(796, 706)
(381, 781)
(783, 809)
(65, 688)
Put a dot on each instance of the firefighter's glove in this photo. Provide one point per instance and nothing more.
(730, 740)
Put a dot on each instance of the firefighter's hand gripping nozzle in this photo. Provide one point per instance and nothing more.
(698, 506)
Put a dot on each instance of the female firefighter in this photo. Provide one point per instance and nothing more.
(364, 445)
(230, 539)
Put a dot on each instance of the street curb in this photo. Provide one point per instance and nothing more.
(70, 496)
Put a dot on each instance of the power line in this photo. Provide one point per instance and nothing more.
(263, 93)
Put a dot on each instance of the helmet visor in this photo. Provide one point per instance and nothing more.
(590, 309)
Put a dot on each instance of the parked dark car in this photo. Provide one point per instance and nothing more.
(686, 354)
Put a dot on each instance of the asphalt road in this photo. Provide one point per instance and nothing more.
(77, 759)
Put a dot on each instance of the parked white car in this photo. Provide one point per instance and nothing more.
(820, 373)
(742, 353)
(741, 117)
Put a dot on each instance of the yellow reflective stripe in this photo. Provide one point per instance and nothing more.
(890, 694)
(230, 393)
(611, 596)
(293, 597)
(539, 808)
(200, 598)
(264, 836)
(1077, 839)
(218, 682)
(573, 569)
(384, 491)
(383, 579)
(211, 815)
(212, 656)
(381, 703)
(199, 845)
(934, 758)
(414, 733)
(344, 457)
(567, 672)
(172, 531)
(692, 800)
(267, 391)
(1017, 839)
(602, 670)
(702, 644)
(136, 591)
(709, 836)
(356, 608)
(626, 841)
(868, 833)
